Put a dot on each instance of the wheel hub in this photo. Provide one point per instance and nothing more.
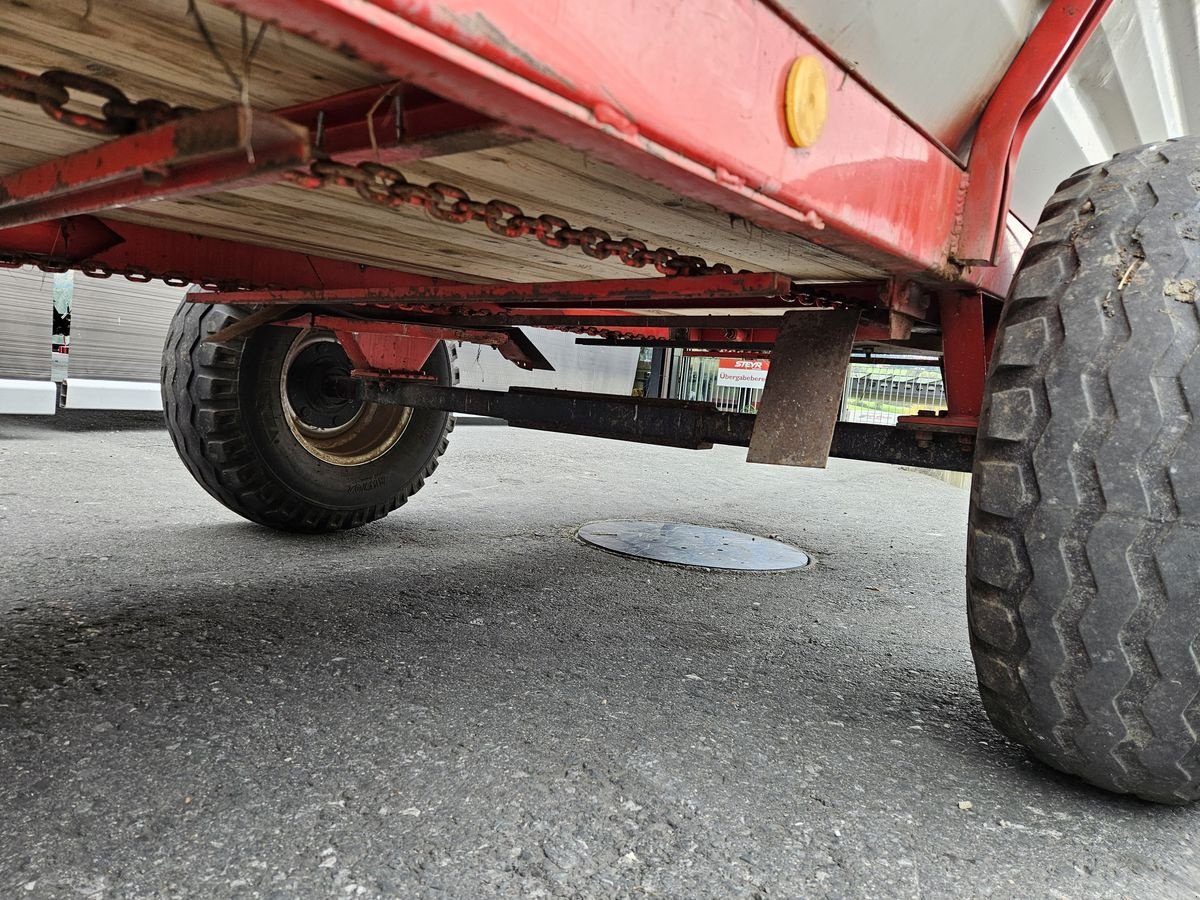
(333, 427)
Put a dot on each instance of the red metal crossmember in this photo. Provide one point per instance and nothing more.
(395, 123)
(385, 355)
(192, 151)
(102, 246)
(201, 152)
(966, 344)
(374, 340)
(623, 292)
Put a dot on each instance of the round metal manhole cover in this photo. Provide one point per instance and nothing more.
(693, 545)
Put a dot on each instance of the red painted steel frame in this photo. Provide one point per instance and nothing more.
(121, 246)
(690, 101)
(693, 101)
(395, 123)
(1054, 44)
(967, 346)
(207, 151)
(387, 355)
(732, 290)
(224, 149)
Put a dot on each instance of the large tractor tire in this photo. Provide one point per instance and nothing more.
(1083, 558)
(256, 424)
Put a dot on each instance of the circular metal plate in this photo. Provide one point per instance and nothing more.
(693, 545)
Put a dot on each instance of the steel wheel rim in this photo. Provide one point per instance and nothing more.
(331, 428)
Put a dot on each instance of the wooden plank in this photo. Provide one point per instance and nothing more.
(150, 48)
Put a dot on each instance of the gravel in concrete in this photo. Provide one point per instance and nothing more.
(464, 701)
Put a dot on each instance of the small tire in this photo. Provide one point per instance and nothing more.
(229, 410)
(1083, 559)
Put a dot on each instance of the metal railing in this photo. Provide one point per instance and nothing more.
(876, 393)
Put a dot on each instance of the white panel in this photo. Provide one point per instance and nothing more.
(603, 370)
(27, 398)
(1136, 82)
(935, 60)
(26, 323)
(94, 393)
(118, 328)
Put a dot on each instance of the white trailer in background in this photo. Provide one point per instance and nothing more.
(117, 329)
(27, 298)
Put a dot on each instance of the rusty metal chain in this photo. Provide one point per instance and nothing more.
(52, 91)
(386, 186)
(375, 182)
(96, 269)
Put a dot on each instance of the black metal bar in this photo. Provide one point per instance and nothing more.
(881, 359)
(899, 447)
(613, 323)
(674, 345)
(672, 423)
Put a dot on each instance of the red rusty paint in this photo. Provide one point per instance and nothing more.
(626, 292)
(122, 246)
(195, 154)
(361, 124)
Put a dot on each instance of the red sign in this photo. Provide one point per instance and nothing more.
(743, 373)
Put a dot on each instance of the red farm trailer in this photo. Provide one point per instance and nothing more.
(352, 185)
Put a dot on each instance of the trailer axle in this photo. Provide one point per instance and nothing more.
(672, 423)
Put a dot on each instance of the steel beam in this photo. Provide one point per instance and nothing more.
(511, 343)
(671, 423)
(198, 153)
(897, 447)
(106, 246)
(623, 292)
(674, 423)
(965, 352)
(395, 123)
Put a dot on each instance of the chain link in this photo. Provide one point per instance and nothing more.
(52, 91)
(374, 182)
(387, 187)
(93, 268)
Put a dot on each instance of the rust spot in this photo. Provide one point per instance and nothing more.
(478, 27)
(607, 114)
(813, 220)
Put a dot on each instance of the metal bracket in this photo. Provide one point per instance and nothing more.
(966, 348)
(202, 152)
(803, 393)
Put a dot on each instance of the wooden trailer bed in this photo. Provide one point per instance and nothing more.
(153, 49)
